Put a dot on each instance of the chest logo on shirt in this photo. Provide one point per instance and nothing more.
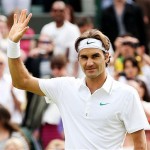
(103, 104)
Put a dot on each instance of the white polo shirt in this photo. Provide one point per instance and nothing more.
(99, 120)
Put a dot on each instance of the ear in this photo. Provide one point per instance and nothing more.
(107, 57)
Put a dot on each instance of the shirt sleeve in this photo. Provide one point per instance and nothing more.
(52, 88)
(134, 117)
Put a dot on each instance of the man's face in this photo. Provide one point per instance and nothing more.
(92, 62)
(58, 12)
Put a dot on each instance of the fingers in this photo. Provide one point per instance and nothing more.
(15, 18)
(27, 19)
(22, 16)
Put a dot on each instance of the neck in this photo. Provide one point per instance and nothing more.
(59, 24)
(95, 83)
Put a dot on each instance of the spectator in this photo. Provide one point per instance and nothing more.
(38, 63)
(84, 24)
(64, 35)
(121, 18)
(125, 46)
(132, 70)
(11, 98)
(9, 130)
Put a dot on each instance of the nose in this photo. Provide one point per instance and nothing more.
(89, 62)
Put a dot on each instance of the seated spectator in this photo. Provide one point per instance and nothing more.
(9, 130)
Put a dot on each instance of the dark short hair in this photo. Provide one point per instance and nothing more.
(58, 61)
(134, 62)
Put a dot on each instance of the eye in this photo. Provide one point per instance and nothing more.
(95, 56)
(83, 57)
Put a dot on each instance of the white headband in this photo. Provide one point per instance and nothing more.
(91, 43)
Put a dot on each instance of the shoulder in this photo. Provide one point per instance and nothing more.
(123, 88)
(49, 25)
(70, 25)
(63, 81)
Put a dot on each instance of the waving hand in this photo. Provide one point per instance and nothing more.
(20, 26)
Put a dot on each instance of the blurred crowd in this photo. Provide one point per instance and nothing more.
(26, 120)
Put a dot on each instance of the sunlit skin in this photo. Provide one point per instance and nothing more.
(93, 64)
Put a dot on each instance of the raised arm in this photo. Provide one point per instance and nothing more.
(21, 78)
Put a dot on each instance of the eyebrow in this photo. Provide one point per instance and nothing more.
(84, 55)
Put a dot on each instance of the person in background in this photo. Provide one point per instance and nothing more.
(38, 63)
(131, 70)
(89, 122)
(84, 24)
(124, 18)
(64, 34)
(125, 46)
(11, 98)
(9, 130)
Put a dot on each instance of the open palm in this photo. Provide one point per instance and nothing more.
(20, 26)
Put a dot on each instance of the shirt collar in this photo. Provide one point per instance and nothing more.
(107, 86)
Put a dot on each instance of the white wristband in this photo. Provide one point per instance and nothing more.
(13, 49)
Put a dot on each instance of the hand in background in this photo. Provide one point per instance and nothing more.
(20, 26)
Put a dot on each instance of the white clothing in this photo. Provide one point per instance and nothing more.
(51, 115)
(10, 5)
(99, 120)
(64, 39)
(6, 98)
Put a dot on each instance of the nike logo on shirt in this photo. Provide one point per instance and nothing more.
(102, 104)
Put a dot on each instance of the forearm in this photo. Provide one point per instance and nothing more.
(18, 72)
(140, 146)
(139, 140)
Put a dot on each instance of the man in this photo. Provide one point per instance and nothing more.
(124, 18)
(96, 111)
(63, 34)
